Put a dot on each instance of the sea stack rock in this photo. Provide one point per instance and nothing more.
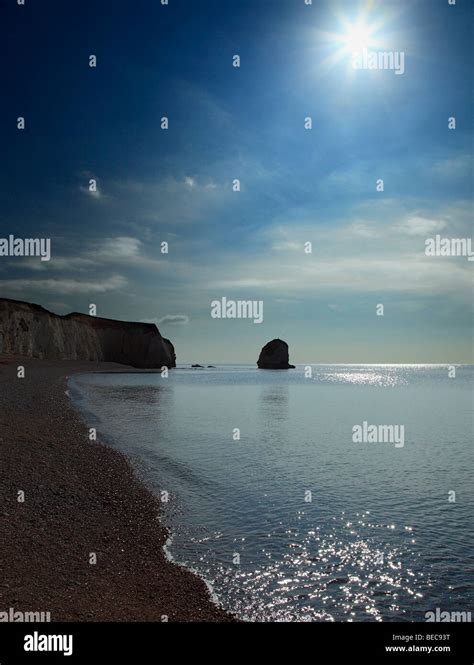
(274, 355)
(30, 330)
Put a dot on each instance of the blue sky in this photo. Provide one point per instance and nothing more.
(297, 185)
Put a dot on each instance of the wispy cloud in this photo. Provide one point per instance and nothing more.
(172, 319)
(420, 226)
(453, 167)
(120, 252)
(63, 286)
(368, 257)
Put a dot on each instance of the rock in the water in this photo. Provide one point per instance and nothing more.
(30, 330)
(274, 355)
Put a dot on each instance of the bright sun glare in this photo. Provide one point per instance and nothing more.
(357, 33)
(357, 37)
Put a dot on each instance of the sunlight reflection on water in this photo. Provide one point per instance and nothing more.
(378, 541)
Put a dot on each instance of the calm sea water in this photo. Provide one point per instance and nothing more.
(295, 521)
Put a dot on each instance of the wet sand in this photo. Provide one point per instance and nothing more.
(81, 497)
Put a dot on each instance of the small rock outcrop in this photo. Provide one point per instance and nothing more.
(30, 330)
(274, 355)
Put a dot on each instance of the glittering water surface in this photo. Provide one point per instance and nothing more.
(325, 528)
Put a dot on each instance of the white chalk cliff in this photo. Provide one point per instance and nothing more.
(30, 330)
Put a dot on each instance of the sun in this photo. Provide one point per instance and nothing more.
(353, 35)
(357, 38)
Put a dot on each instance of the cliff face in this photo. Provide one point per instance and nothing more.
(274, 355)
(30, 330)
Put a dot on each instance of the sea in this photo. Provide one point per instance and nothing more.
(323, 493)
